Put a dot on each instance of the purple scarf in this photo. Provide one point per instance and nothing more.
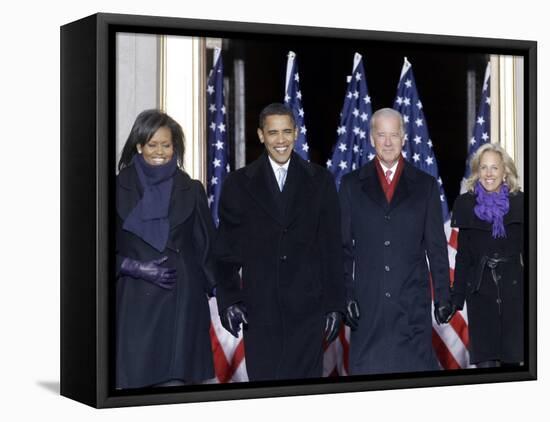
(492, 207)
(149, 219)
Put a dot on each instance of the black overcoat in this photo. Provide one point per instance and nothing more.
(495, 309)
(385, 249)
(288, 247)
(164, 334)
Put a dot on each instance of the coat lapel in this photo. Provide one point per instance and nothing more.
(129, 192)
(298, 188)
(402, 190)
(260, 188)
(371, 185)
(182, 201)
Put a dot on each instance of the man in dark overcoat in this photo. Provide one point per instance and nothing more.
(280, 225)
(392, 221)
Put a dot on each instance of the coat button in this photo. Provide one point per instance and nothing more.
(387, 217)
(283, 258)
(388, 294)
(386, 268)
(499, 301)
(514, 282)
(285, 231)
(387, 243)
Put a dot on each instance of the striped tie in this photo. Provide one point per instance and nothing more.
(388, 176)
(281, 177)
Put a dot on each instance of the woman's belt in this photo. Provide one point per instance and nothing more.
(492, 263)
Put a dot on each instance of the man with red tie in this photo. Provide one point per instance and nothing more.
(392, 222)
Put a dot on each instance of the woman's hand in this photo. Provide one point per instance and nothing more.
(150, 271)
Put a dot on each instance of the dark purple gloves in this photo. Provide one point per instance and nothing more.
(232, 317)
(150, 271)
(332, 326)
(352, 314)
(443, 312)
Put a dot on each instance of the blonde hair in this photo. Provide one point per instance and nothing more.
(510, 172)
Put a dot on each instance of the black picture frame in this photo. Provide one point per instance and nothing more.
(87, 189)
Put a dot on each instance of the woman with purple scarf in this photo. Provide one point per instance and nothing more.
(489, 260)
(164, 267)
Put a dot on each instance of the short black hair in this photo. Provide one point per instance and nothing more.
(276, 109)
(145, 126)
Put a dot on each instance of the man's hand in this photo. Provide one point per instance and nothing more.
(352, 314)
(333, 322)
(443, 312)
(232, 317)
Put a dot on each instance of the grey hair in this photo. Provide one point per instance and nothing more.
(385, 112)
(510, 172)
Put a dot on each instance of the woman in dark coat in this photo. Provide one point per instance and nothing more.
(165, 273)
(489, 260)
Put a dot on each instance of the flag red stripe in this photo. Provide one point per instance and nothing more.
(345, 348)
(453, 239)
(461, 328)
(237, 358)
(445, 357)
(221, 366)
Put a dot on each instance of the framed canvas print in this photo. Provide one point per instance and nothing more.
(253, 210)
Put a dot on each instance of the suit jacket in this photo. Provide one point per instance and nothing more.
(164, 334)
(385, 249)
(495, 315)
(288, 247)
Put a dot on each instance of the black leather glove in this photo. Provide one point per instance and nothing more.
(150, 271)
(333, 322)
(443, 312)
(232, 317)
(352, 314)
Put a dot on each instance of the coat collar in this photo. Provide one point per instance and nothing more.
(371, 185)
(296, 194)
(129, 192)
(463, 215)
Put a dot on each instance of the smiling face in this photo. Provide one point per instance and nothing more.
(387, 139)
(491, 171)
(278, 135)
(159, 149)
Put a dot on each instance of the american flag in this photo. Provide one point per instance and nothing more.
(450, 340)
(482, 126)
(353, 148)
(481, 135)
(228, 352)
(218, 151)
(351, 151)
(293, 99)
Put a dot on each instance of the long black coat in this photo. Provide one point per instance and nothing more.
(495, 313)
(288, 246)
(164, 334)
(388, 244)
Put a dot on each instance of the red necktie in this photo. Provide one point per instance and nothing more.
(388, 174)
